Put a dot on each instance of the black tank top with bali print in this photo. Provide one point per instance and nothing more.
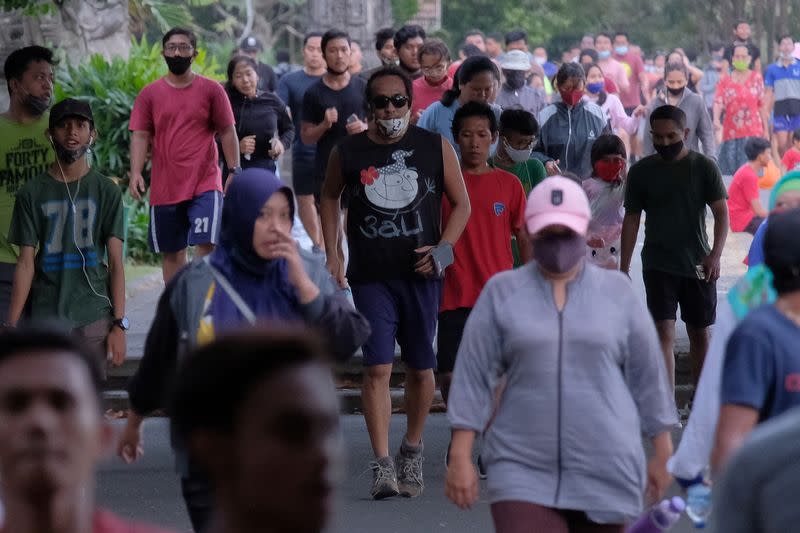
(394, 194)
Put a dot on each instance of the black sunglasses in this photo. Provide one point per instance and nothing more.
(382, 102)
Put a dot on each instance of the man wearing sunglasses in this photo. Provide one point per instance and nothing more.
(393, 176)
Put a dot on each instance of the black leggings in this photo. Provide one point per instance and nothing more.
(525, 517)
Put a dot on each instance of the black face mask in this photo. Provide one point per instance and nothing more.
(36, 105)
(178, 64)
(515, 79)
(676, 92)
(669, 151)
(68, 156)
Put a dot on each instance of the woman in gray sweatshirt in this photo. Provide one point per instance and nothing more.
(585, 378)
(698, 121)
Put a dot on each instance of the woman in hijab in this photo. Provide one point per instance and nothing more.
(256, 273)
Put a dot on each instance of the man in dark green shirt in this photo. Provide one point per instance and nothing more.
(673, 187)
(65, 221)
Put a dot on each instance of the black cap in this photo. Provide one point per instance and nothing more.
(70, 107)
(782, 250)
(251, 44)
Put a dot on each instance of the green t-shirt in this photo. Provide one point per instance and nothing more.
(43, 217)
(674, 195)
(530, 173)
(24, 154)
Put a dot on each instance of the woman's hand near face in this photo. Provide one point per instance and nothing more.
(286, 248)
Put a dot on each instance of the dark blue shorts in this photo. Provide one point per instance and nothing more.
(303, 173)
(786, 122)
(196, 221)
(405, 310)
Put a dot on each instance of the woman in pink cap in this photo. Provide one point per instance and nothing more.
(585, 378)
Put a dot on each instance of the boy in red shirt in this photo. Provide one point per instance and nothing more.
(791, 159)
(744, 207)
(484, 249)
(433, 59)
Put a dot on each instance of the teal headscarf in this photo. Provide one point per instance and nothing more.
(790, 181)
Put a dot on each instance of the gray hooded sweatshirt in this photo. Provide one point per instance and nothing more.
(583, 385)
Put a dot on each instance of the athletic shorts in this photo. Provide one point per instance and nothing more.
(785, 122)
(189, 223)
(448, 337)
(94, 337)
(696, 297)
(402, 310)
(303, 173)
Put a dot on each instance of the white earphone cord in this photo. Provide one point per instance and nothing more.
(74, 216)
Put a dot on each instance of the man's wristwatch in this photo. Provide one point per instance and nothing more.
(234, 170)
(122, 323)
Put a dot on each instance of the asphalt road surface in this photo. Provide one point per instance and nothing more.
(148, 490)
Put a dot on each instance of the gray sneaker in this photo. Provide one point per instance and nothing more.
(409, 468)
(384, 478)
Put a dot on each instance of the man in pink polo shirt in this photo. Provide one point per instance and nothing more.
(178, 117)
(610, 66)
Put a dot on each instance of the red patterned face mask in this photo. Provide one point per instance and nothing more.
(571, 98)
(608, 170)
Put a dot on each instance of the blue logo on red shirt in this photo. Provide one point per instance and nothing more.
(499, 207)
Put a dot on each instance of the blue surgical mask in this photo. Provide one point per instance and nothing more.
(604, 54)
(595, 88)
(621, 50)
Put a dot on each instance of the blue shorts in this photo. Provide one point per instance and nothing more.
(785, 122)
(405, 310)
(196, 221)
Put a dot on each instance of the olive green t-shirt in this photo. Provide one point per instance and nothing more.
(674, 196)
(530, 173)
(24, 154)
(44, 218)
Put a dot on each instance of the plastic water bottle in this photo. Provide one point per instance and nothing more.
(659, 518)
(698, 504)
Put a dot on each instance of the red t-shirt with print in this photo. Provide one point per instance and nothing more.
(484, 249)
(791, 159)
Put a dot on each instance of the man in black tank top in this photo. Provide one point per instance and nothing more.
(393, 176)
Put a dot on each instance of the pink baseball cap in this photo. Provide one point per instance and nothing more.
(557, 201)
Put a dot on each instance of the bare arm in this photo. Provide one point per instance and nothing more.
(764, 112)
(311, 133)
(720, 211)
(695, 73)
(140, 142)
(523, 244)
(735, 423)
(330, 214)
(758, 208)
(630, 230)
(456, 192)
(230, 145)
(116, 269)
(116, 342)
(23, 278)
(644, 82)
(717, 109)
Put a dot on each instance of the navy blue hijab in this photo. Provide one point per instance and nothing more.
(263, 284)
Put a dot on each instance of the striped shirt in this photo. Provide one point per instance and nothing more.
(785, 83)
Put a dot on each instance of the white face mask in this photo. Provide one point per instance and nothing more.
(517, 156)
(787, 55)
(394, 127)
(539, 60)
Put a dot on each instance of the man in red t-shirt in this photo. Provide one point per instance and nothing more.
(178, 117)
(484, 249)
(744, 207)
(52, 435)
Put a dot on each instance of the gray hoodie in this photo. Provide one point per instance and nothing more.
(583, 384)
(701, 130)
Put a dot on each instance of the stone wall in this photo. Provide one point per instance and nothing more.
(78, 29)
(360, 18)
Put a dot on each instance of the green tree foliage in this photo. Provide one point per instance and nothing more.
(403, 10)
